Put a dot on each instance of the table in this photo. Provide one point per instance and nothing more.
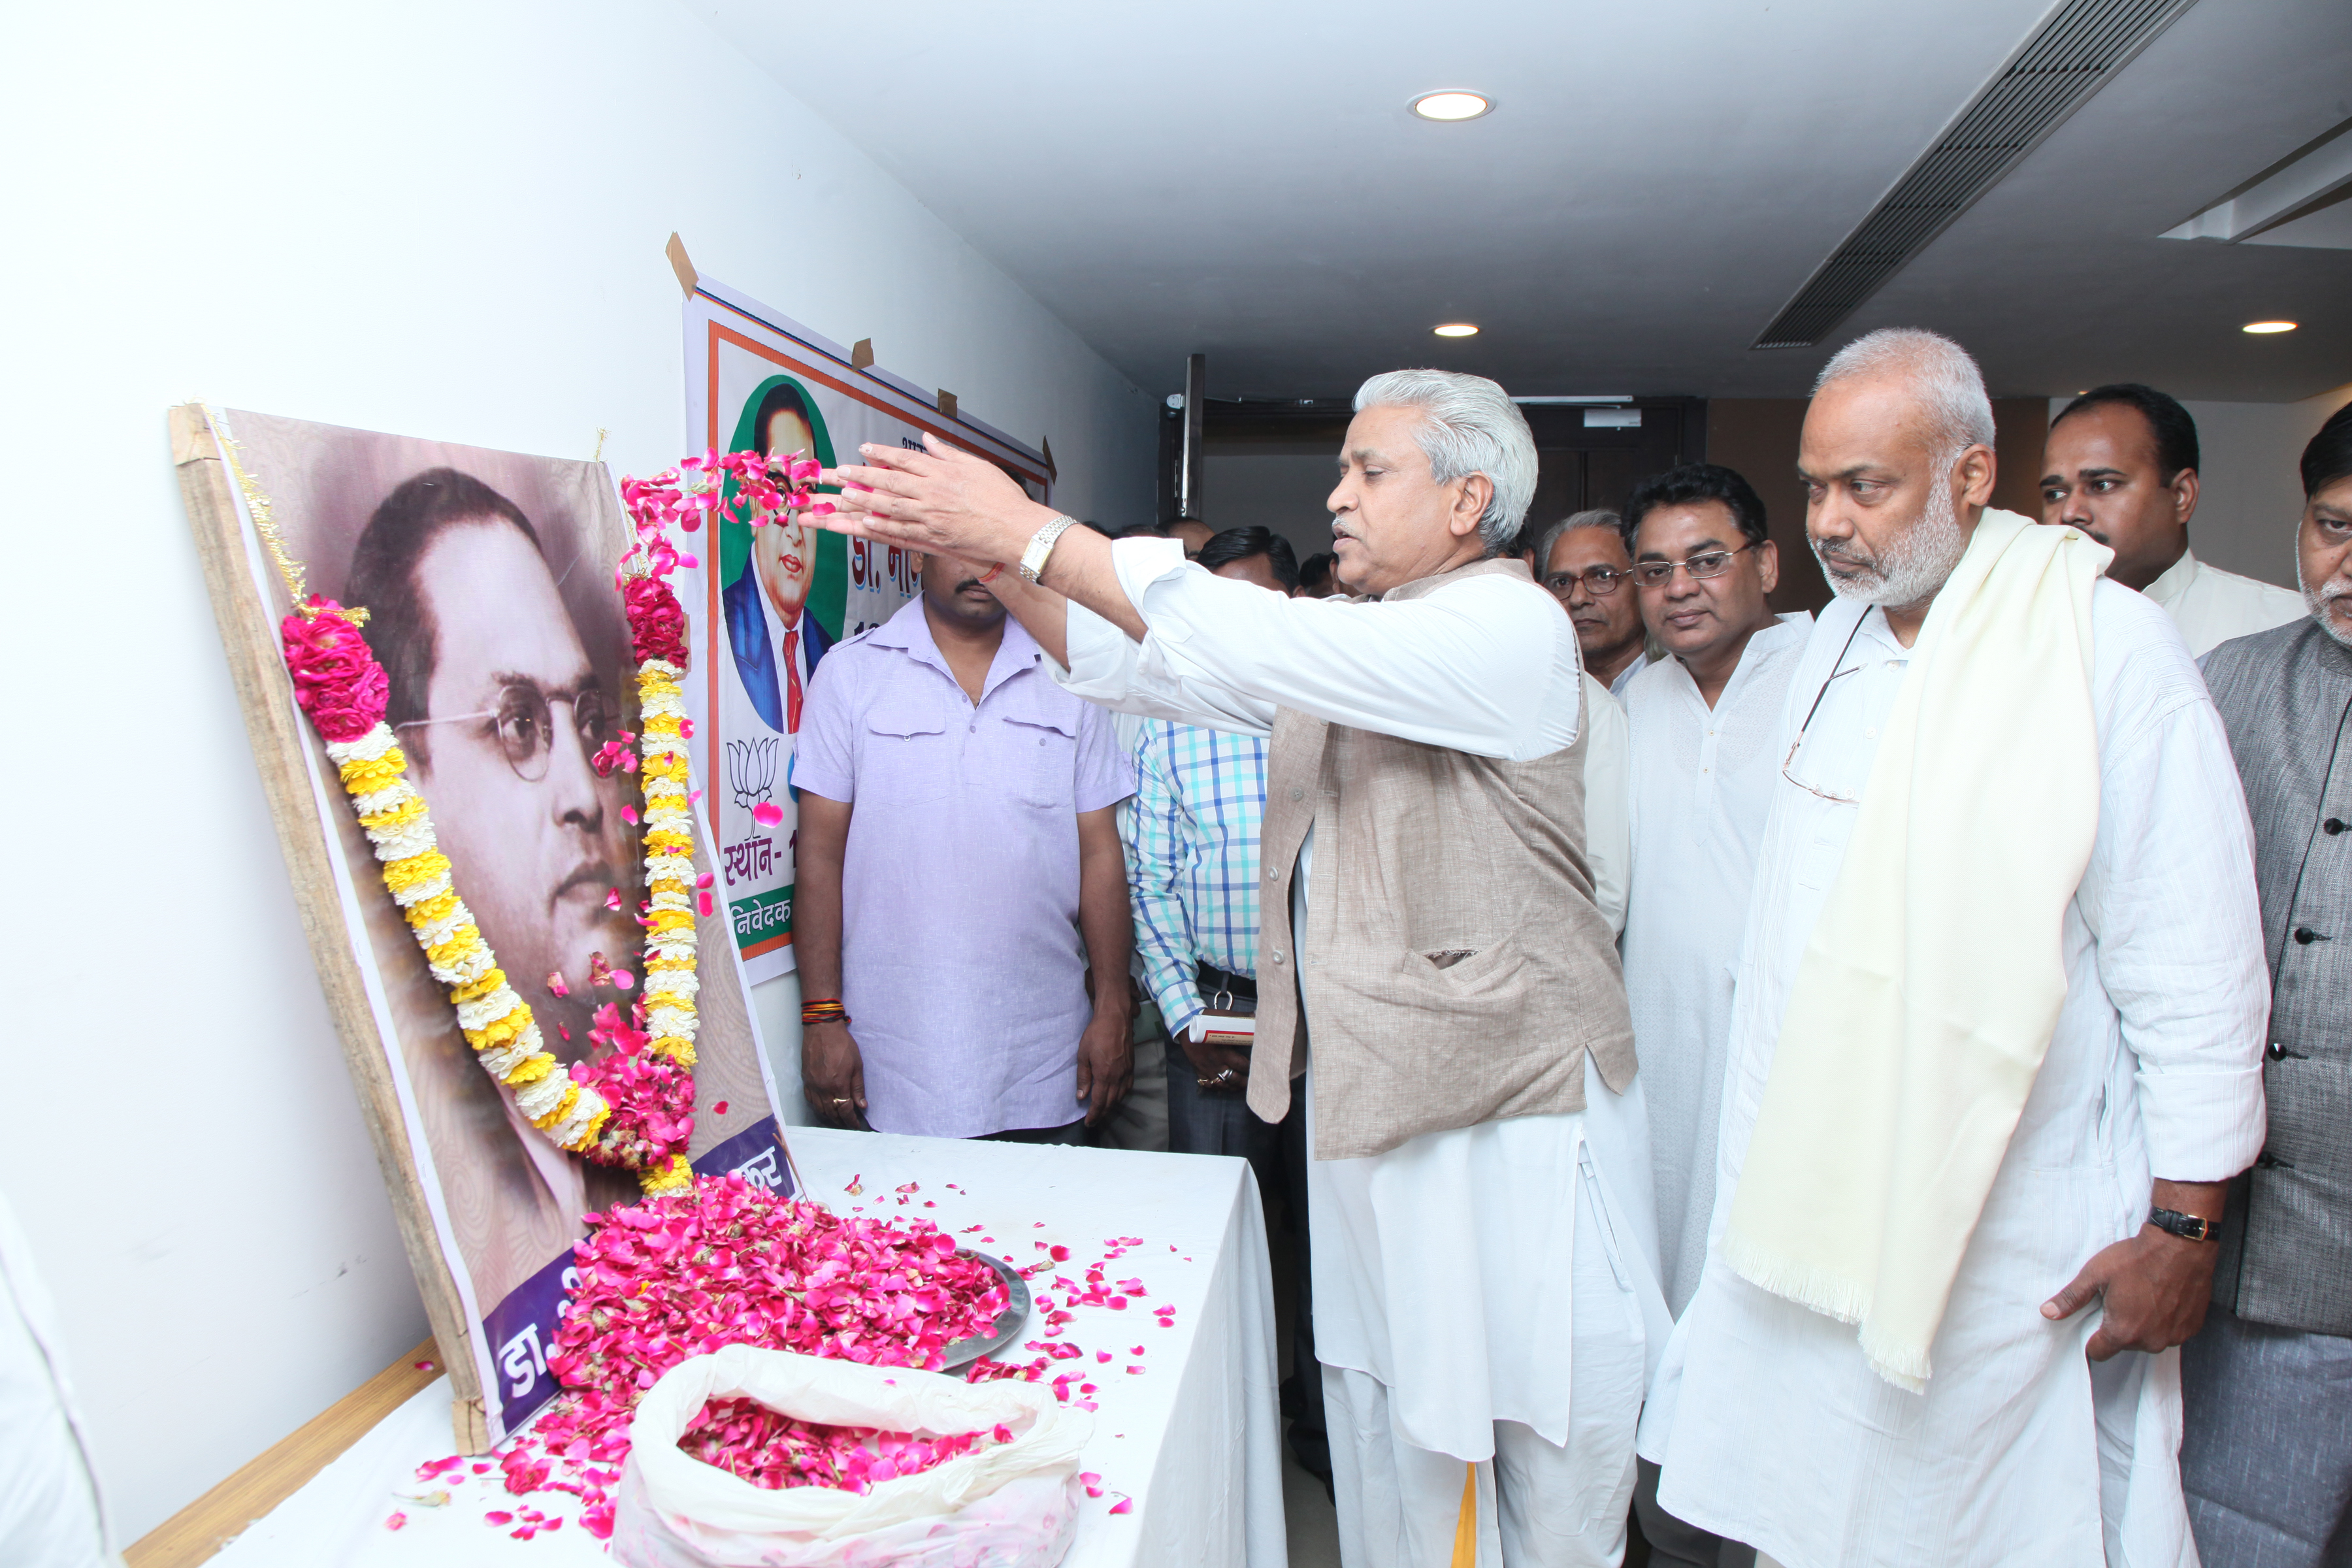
(1193, 1439)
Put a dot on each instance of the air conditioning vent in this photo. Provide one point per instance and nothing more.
(2070, 57)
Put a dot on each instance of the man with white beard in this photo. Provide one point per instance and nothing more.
(2268, 1457)
(1997, 1033)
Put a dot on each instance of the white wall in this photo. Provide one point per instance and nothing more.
(440, 218)
(2250, 499)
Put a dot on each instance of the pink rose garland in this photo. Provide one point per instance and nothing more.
(337, 679)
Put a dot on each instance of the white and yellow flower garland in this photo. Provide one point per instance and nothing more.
(670, 980)
(496, 1022)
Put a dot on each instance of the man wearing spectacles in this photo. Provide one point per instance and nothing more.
(499, 709)
(1996, 1029)
(1704, 724)
(1582, 560)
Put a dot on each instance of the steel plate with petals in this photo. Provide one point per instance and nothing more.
(961, 1353)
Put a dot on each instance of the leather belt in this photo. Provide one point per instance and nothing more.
(1214, 980)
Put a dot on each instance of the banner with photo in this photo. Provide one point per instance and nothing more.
(777, 598)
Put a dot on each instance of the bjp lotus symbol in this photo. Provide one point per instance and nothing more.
(751, 770)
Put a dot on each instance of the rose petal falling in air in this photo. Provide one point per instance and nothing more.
(767, 813)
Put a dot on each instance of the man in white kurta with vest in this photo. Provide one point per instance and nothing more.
(1995, 1044)
(1486, 1296)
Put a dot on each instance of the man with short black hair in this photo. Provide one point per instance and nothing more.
(2121, 465)
(1582, 560)
(1314, 579)
(1193, 876)
(1705, 722)
(1253, 554)
(2267, 1385)
(961, 883)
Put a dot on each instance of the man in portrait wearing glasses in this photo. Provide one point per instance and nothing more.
(1484, 1263)
(499, 709)
(1585, 565)
(777, 647)
(1703, 722)
(1996, 1033)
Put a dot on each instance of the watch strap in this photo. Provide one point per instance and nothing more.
(2187, 1226)
(1041, 546)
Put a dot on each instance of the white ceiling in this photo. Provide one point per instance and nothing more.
(1657, 178)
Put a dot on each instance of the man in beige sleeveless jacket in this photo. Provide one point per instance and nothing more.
(1486, 1303)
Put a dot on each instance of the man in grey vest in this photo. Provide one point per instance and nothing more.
(1485, 1292)
(2267, 1456)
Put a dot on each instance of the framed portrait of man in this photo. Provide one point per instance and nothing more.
(487, 579)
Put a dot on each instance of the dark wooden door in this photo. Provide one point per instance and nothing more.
(1581, 466)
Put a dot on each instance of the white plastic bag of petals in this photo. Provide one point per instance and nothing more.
(1008, 1505)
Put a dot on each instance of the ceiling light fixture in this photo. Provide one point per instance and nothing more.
(1453, 103)
(2265, 328)
(1457, 329)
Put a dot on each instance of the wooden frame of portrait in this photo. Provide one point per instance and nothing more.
(265, 694)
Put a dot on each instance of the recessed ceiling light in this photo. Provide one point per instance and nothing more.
(1451, 104)
(2267, 327)
(1457, 329)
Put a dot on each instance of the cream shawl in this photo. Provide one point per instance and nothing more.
(1928, 992)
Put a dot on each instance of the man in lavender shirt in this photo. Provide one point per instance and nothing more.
(961, 883)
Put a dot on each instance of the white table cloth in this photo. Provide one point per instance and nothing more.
(1193, 1439)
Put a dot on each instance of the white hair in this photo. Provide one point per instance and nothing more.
(2321, 601)
(1940, 373)
(1596, 517)
(1468, 425)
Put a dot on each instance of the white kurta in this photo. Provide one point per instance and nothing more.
(1445, 1267)
(1702, 786)
(1608, 801)
(1772, 1428)
(2210, 605)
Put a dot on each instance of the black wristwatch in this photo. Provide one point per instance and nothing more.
(2187, 1226)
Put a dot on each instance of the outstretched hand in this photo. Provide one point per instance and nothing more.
(941, 500)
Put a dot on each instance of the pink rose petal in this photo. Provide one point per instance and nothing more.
(767, 813)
